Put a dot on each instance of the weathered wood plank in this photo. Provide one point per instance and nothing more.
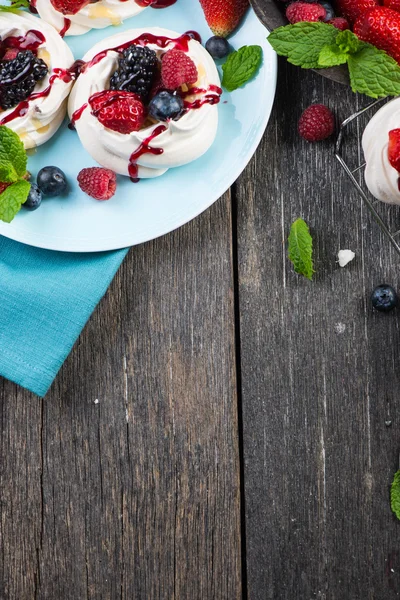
(140, 491)
(319, 372)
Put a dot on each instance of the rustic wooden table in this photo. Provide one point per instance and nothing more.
(238, 448)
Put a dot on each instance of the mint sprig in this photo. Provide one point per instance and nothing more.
(15, 7)
(302, 42)
(319, 45)
(13, 161)
(300, 248)
(241, 66)
(395, 495)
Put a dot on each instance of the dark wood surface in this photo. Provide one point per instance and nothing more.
(239, 445)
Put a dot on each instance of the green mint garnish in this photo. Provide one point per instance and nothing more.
(302, 42)
(16, 5)
(374, 73)
(319, 45)
(240, 67)
(301, 248)
(12, 170)
(395, 495)
(12, 199)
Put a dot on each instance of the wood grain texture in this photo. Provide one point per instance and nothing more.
(319, 371)
(135, 496)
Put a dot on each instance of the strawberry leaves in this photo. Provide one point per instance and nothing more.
(319, 45)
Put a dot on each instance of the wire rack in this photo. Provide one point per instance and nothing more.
(353, 173)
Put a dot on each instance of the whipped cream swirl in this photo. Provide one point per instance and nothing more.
(36, 119)
(92, 16)
(176, 142)
(381, 178)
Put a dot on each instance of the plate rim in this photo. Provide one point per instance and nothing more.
(110, 244)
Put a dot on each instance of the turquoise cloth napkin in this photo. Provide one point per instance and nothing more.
(45, 300)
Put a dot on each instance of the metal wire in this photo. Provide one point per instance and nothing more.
(367, 198)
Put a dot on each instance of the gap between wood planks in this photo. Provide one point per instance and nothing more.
(236, 305)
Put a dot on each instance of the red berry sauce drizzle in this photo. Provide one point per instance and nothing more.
(211, 95)
(67, 25)
(154, 3)
(32, 40)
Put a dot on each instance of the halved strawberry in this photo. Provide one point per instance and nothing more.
(69, 7)
(394, 148)
(223, 16)
(352, 9)
(118, 110)
(380, 27)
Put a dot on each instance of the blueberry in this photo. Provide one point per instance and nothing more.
(34, 199)
(165, 106)
(52, 181)
(330, 13)
(384, 298)
(217, 46)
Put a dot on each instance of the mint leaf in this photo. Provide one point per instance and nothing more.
(240, 66)
(374, 73)
(15, 6)
(332, 56)
(300, 248)
(395, 495)
(348, 42)
(302, 42)
(12, 198)
(12, 150)
(7, 173)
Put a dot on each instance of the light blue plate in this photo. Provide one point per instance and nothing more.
(143, 211)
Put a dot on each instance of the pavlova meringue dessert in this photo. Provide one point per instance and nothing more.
(74, 17)
(381, 146)
(35, 77)
(145, 102)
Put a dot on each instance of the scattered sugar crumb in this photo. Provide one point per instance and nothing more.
(340, 328)
(344, 257)
(96, 401)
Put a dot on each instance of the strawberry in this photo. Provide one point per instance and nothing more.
(97, 182)
(69, 7)
(394, 148)
(177, 68)
(380, 27)
(393, 4)
(352, 9)
(223, 16)
(118, 110)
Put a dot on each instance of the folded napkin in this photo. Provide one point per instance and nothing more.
(45, 300)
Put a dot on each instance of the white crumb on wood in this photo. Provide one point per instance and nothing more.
(344, 257)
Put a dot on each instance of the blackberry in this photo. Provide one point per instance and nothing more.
(18, 78)
(136, 71)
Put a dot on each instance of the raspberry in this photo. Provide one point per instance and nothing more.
(316, 123)
(118, 110)
(10, 54)
(303, 11)
(339, 22)
(177, 69)
(98, 183)
(136, 71)
(3, 186)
